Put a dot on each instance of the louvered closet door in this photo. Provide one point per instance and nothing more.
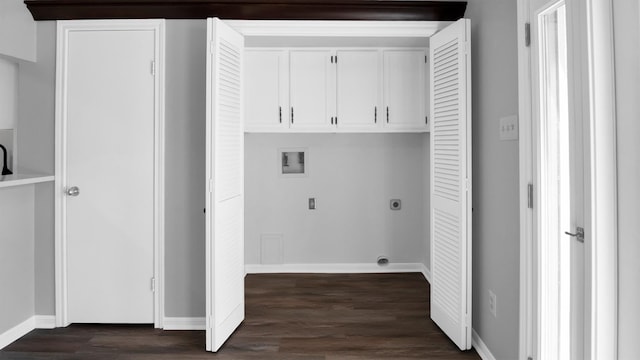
(451, 182)
(225, 184)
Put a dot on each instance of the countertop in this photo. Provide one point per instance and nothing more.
(23, 179)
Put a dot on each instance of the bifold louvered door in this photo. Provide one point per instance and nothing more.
(451, 182)
(225, 184)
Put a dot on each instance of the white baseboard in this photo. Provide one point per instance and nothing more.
(481, 347)
(333, 268)
(184, 323)
(45, 321)
(17, 332)
(427, 273)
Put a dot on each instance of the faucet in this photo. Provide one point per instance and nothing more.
(5, 169)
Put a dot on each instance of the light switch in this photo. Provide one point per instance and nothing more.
(509, 128)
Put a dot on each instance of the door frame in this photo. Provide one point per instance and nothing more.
(594, 44)
(60, 247)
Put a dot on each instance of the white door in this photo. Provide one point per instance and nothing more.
(266, 84)
(109, 137)
(559, 180)
(312, 77)
(225, 184)
(358, 89)
(450, 71)
(404, 89)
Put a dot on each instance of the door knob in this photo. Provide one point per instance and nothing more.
(73, 191)
(579, 235)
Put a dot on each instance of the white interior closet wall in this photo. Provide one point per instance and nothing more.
(352, 177)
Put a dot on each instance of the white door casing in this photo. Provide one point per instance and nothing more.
(109, 143)
(225, 184)
(450, 71)
(590, 53)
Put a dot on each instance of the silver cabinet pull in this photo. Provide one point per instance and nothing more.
(73, 191)
(579, 235)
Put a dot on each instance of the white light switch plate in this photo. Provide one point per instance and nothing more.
(509, 128)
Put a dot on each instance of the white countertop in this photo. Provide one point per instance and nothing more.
(23, 179)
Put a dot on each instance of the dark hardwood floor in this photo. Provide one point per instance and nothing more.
(288, 316)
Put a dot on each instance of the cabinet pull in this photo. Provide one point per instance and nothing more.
(280, 113)
(292, 114)
(332, 120)
(336, 120)
(387, 114)
(375, 114)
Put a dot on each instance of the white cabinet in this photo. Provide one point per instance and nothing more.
(358, 89)
(404, 89)
(312, 89)
(329, 90)
(266, 77)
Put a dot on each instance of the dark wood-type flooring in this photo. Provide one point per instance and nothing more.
(288, 316)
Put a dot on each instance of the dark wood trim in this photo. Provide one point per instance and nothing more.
(248, 9)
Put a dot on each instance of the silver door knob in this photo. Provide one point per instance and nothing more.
(73, 191)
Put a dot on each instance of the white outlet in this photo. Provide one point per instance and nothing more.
(509, 128)
(492, 303)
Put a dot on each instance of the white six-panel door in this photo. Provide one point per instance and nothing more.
(451, 182)
(225, 184)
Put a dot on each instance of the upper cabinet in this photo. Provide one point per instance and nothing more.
(343, 90)
(312, 98)
(266, 79)
(17, 31)
(358, 89)
(404, 89)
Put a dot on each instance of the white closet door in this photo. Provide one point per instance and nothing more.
(225, 184)
(450, 71)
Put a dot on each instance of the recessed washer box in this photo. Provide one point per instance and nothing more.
(293, 162)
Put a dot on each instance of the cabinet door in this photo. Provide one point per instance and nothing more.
(312, 89)
(404, 89)
(358, 87)
(266, 90)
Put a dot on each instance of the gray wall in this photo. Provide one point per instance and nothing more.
(495, 175)
(352, 177)
(36, 106)
(627, 62)
(185, 168)
(16, 256)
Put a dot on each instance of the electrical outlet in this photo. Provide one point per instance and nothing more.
(509, 128)
(492, 303)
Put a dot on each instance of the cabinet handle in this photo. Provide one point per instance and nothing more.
(332, 120)
(387, 114)
(375, 114)
(280, 113)
(336, 120)
(292, 114)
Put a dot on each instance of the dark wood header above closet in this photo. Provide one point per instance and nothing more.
(248, 9)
